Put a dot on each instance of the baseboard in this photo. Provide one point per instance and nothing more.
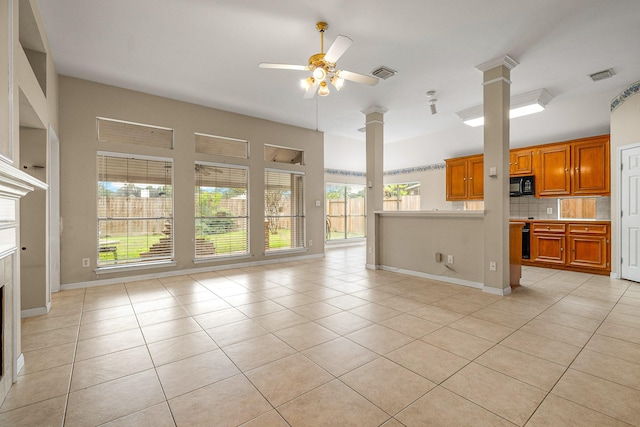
(372, 267)
(455, 281)
(115, 280)
(19, 364)
(496, 291)
(38, 311)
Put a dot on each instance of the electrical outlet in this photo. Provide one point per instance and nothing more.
(438, 257)
(549, 211)
(370, 250)
(86, 262)
(310, 243)
(492, 266)
(449, 259)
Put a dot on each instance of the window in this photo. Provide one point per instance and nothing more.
(221, 210)
(135, 209)
(578, 208)
(134, 133)
(284, 210)
(273, 153)
(345, 211)
(402, 197)
(222, 146)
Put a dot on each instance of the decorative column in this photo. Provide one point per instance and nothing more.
(496, 83)
(374, 123)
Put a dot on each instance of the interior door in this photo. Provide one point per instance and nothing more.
(630, 221)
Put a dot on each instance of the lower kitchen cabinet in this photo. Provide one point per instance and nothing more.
(583, 246)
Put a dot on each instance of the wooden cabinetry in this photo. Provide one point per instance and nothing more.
(583, 246)
(521, 162)
(548, 243)
(554, 173)
(590, 162)
(465, 178)
(579, 168)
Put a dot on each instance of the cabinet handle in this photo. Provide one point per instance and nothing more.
(464, 179)
(561, 249)
(548, 228)
(470, 177)
(577, 168)
(586, 229)
(566, 170)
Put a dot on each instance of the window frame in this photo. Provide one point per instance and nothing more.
(136, 263)
(303, 217)
(397, 202)
(225, 256)
(345, 187)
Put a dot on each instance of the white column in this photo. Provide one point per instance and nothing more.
(375, 189)
(496, 82)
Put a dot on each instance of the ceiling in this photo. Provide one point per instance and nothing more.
(207, 52)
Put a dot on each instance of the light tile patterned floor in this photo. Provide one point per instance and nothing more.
(327, 342)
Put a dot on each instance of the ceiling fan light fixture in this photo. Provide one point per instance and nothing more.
(324, 90)
(307, 83)
(319, 73)
(337, 82)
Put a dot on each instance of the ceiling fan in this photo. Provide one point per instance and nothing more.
(323, 67)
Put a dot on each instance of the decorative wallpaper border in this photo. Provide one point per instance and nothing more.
(414, 169)
(628, 92)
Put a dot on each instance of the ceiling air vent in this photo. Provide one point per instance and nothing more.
(601, 75)
(383, 72)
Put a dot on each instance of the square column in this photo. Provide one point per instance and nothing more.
(496, 93)
(374, 123)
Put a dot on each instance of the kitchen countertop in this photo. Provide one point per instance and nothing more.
(559, 220)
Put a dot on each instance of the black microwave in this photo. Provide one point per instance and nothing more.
(522, 186)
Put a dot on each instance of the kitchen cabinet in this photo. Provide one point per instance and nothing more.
(554, 174)
(465, 178)
(588, 245)
(548, 243)
(576, 168)
(521, 162)
(590, 162)
(578, 246)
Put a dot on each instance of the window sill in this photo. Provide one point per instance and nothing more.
(284, 251)
(221, 258)
(134, 266)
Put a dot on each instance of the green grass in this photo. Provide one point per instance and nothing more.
(129, 247)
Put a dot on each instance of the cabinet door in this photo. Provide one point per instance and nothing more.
(476, 178)
(591, 167)
(554, 176)
(521, 162)
(588, 251)
(457, 179)
(548, 248)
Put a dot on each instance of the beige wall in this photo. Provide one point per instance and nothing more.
(410, 241)
(82, 101)
(625, 130)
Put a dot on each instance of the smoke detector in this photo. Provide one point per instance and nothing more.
(432, 101)
(602, 75)
(383, 72)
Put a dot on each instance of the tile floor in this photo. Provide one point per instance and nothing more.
(326, 342)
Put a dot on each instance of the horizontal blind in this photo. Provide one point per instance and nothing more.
(134, 133)
(284, 210)
(221, 210)
(221, 146)
(277, 154)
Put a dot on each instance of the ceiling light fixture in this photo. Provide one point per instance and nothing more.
(324, 90)
(432, 101)
(521, 105)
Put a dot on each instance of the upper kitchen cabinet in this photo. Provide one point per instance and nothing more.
(575, 168)
(521, 162)
(553, 176)
(465, 178)
(590, 162)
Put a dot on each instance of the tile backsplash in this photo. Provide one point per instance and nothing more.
(529, 206)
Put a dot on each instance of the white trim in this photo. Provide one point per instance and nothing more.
(38, 311)
(374, 109)
(614, 275)
(495, 291)
(499, 79)
(463, 282)
(222, 165)
(273, 252)
(115, 280)
(505, 61)
(218, 258)
(133, 266)
(19, 364)
(373, 267)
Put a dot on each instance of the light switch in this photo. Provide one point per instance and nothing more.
(493, 171)
(318, 203)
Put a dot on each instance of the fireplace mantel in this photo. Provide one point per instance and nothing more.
(14, 183)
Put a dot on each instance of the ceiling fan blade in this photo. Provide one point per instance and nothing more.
(311, 90)
(283, 66)
(358, 78)
(339, 46)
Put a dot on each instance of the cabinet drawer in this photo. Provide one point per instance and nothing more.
(587, 229)
(543, 227)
